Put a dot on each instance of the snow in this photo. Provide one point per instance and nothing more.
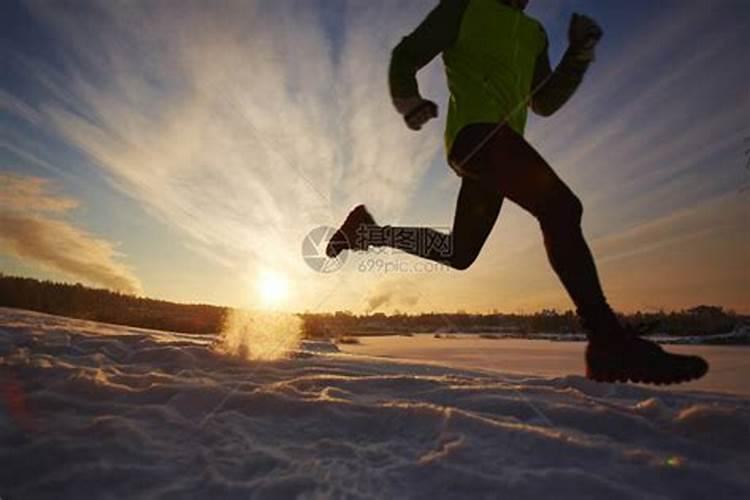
(740, 336)
(729, 373)
(103, 411)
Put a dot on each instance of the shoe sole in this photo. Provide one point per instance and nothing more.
(612, 376)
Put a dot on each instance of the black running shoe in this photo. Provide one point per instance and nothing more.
(631, 358)
(352, 235)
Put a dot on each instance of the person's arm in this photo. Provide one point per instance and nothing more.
(436, 33)
(552, 89)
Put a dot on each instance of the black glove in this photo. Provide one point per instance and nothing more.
(583, 35)
(416, 111)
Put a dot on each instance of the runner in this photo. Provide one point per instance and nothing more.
(497, 65)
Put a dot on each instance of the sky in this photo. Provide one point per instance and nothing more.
(185, 150)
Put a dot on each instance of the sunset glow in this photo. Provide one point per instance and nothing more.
(179, 156)
(273, 288)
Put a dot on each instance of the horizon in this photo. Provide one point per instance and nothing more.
(394, 312)
(187, 158)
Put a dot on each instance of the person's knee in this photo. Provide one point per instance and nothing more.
(575, 209)
(562, 209)
(461, 261)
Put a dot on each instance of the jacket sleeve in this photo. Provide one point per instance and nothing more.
(436, 33)
(552, 89)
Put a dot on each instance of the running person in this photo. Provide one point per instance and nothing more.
(497, 65)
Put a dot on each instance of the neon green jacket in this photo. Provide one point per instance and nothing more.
(494, 56)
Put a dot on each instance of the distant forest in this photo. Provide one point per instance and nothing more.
(700, 320)
(95, 304)
(78, 301)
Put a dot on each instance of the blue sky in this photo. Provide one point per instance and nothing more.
(184, 150)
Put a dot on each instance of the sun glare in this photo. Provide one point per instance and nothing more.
(273, 288)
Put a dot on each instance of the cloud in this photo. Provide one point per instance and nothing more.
(691, 256)
(377, 300)
(246, 124)
(391, 293)
(30, 232)
(11, 105)
(22, 194)
(644, 135)
(696, 255)
(238, 122)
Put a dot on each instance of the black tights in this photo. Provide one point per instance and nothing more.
(508, 166)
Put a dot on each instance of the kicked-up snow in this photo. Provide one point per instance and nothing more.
(101, 411)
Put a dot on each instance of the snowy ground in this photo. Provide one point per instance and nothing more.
(98, 411)
(729, 373)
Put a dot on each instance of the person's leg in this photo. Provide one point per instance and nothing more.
(477, 209)
(522, 175)
(508, 166)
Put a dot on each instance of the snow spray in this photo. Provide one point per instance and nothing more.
(259, 335)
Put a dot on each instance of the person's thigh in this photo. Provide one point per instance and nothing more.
(477, 209)
(509, 163)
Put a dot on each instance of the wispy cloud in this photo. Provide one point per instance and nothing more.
(653, 112)
(245, 124)
(236, 122)
(21, 194)
(392, 294)
(32, 230)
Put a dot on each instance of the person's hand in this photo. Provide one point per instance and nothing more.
(416, 111)
(583, 35)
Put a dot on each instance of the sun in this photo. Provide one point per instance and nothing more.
(273, 288)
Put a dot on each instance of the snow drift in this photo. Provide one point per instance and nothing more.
(102, 411)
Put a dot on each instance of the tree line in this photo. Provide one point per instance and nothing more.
(699, 320)
(95, 304)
